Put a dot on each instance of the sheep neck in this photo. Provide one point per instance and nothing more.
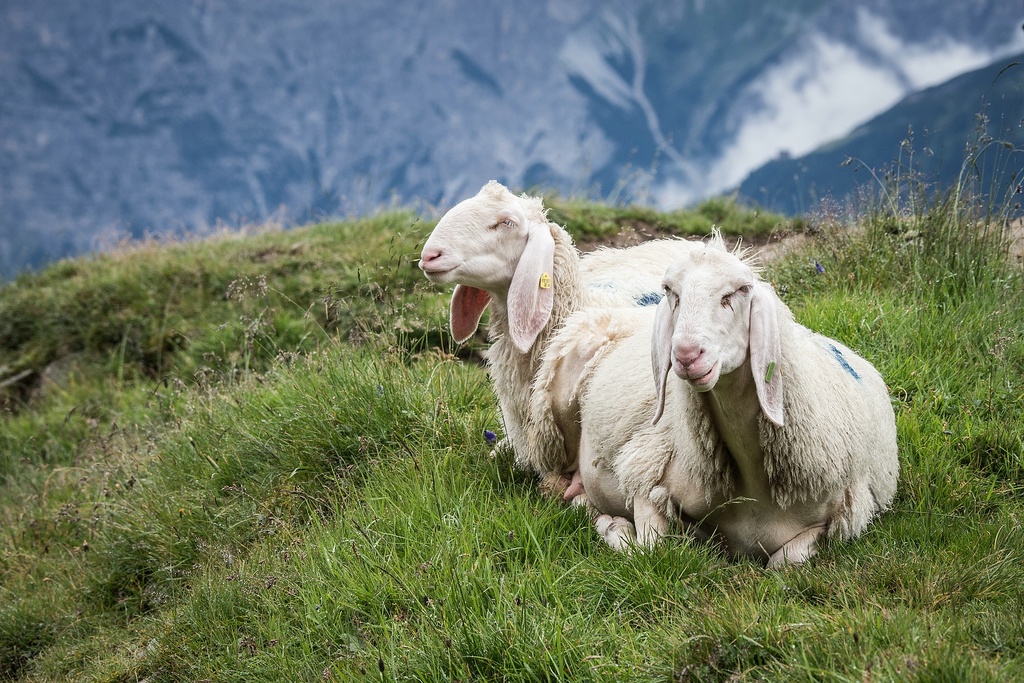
(513, 372)
(734, 410)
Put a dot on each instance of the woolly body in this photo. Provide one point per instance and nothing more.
(769, 471)
(501, 250)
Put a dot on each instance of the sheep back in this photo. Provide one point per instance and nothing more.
(840, 429)
(631, 276)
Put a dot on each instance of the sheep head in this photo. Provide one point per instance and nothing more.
(498, 246)
(715, 315)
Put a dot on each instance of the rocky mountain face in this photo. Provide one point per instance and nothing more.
(124, 119)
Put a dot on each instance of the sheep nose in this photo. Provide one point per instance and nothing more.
(686, 356)
(429, 255)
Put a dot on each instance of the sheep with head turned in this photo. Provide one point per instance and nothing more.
(501, 251)
(756, 430)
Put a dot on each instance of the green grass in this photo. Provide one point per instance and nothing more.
(257, 459)
(590, 222)
(223, 304)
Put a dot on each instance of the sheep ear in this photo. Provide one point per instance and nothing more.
(531, 293)
(661, 352)
(765, 352)
(468, 304)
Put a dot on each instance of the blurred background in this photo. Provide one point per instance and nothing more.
(121, 119)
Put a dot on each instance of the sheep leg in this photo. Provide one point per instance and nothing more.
(623, 535)
(798, 549)
(651, 523)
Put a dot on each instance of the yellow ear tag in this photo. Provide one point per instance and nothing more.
(545, 281)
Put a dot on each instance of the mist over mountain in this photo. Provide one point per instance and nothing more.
(962, 126)
(124, 119)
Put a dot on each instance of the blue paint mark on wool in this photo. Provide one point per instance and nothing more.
(842, 361)
(648, 299)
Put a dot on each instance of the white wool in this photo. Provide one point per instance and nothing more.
(771, 468)
(484, 245)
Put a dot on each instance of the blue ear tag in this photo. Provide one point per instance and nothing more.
(545, 281)
(769, 373)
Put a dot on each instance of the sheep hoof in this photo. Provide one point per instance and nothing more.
(580, 501)
(618, 532)
(797, 550)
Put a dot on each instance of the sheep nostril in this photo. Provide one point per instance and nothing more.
(428, 256)
(686, 357)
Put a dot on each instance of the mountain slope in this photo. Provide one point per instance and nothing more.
(929, 129)
(120, 119)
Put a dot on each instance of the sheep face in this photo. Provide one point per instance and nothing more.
(704, 320)
(715, 315)
(472, 243)
(494, 245)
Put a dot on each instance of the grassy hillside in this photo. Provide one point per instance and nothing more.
(259, 458)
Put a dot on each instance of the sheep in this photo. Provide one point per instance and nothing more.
(500, 250)
(770, 438)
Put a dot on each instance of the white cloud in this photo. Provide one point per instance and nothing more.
(585, 55)
(825, 90)
(932, 63)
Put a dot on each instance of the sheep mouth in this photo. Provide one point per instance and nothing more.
(436, 273)
(706, 380)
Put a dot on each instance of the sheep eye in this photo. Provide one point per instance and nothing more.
(727, 299)
(505, 222)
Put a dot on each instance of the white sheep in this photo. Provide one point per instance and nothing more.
(771, 437)
(501, 251)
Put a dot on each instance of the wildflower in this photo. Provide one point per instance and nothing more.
(820, 268)
(490, 436)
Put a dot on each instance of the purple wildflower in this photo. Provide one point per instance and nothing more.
(490, 436)
(820, 268)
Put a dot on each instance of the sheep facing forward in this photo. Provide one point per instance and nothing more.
(500, 250)
(769, 437)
